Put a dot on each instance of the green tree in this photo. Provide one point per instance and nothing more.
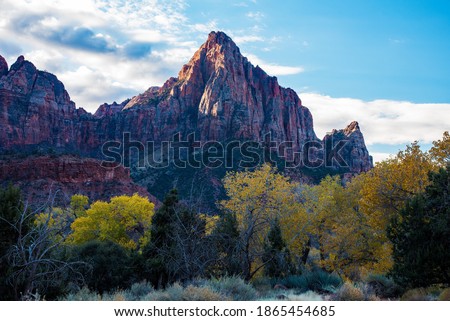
(161, 241)
(11, 208)
(276, 256)
(179, 248)
(109, 266)
(421, 235)
(226, 239)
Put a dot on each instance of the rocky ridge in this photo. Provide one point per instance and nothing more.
(43, 178)
(218, 95)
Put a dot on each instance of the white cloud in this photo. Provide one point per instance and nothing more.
(255, 15)
(249, 38)
(378, 157)
(386, 122)
(102, 50)
(274, 69)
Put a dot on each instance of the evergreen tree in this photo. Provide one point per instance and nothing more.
(11, 208)
(421, 236)
(276, 255)
(226, 240)
(161, 241)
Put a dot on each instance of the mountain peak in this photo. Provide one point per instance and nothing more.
(351, 128)
(219, 37)
(3, 66)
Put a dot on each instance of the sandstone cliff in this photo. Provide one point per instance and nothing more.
(44, 177)
(218, 95)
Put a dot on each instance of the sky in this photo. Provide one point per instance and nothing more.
(383, 63)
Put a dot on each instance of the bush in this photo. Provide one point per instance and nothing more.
(233, 287)
(383, 286)
(349, 292)
(138, 291)
(82, 295)
(355, 292)
(419, 294)
(171, 293)
(290, 295)
(316, 280)
(445, 295)
(109, 265)
(191, 293)
(295, 282)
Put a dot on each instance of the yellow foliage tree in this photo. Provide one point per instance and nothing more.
(440, 152)
(337, 225)
(125, 220)
(384, 190)
(257, 198)
(60, 219)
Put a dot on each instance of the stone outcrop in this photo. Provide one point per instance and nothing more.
(110, 109)
(353, 151)
(35, 109)
(3, 67)
(60, 177)
(218, 95)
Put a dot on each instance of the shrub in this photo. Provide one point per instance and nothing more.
(119, 295)
(138, 291)
(383, 286)
(234, 287)
(109, 265)
(290, 295)
(349, 292)
(82, 295)
(262, 284)
(419, 294)
(445, 295)
(316, 280)
(191, 293)
(295, 282)
(171, 293)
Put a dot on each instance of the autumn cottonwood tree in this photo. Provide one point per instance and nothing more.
(124, 220)
(339, 229)
(256, 199)
(384, 190)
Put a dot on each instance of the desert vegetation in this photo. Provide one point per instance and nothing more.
(381, 235)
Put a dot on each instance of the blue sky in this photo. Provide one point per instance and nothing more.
(383, 63)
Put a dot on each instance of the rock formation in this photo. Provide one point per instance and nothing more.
(218, 95)
(45, 177)
(354, 151)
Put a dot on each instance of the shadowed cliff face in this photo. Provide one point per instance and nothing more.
(218, 95)
(53, 180)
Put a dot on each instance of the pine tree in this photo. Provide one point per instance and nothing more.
(226, 240)
(11, 208)
(161, 241)
(421, 236)
(276, 255)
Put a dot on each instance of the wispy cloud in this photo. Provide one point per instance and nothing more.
(274, 69)
(255, 15)
(102, 50)
(248, 38)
